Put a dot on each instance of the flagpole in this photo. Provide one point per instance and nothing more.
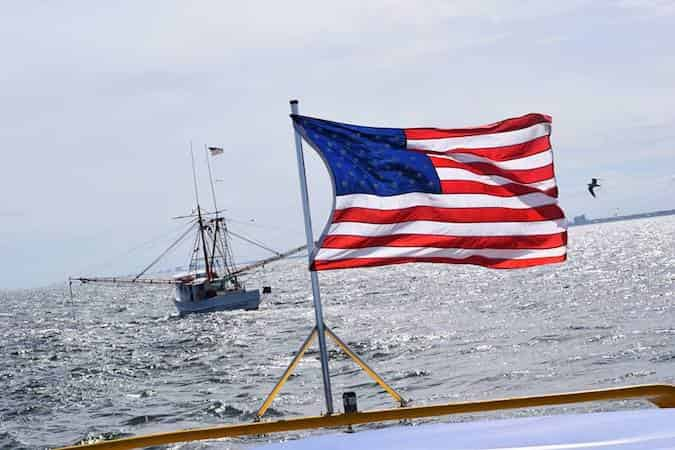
(318, 311)
(213, 189)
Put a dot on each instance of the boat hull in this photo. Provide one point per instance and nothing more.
(223, 301)
(646, 429)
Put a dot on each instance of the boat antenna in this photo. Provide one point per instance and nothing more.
(213, 189)
(199, 216)
(165, 252)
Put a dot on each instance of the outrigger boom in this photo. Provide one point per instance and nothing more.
(118, 280)
(246, 268)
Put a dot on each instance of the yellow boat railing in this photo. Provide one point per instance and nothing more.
(661, 395)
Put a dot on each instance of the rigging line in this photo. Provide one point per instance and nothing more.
(176, 242)
(258, 244)
(226, 242)
(210, 237)
(194, 255)
(261, 263)
(147, 243)
(230, 264)
(204, 214)
(214, 237)
(219, 245)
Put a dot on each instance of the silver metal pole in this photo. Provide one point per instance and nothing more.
(318, 311)
(213, 189)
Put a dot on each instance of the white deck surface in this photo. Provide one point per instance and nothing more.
(641, 429)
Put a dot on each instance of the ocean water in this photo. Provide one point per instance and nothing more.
(118, 361)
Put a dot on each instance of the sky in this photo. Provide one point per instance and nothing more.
(99, 103)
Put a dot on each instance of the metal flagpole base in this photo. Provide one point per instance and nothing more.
(371, 373)
(345, 348)
(289, 370)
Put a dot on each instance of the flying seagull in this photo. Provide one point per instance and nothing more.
(592, 185)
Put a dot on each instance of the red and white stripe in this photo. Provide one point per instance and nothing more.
(498, 207)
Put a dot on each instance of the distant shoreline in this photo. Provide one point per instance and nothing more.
(582, 220)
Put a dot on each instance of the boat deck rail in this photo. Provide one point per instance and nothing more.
(660, 395)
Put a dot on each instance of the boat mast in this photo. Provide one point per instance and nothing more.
(219, 230)
(216, 222)
(199, 216)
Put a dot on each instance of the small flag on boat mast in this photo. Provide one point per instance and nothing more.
(485, 196)
(216, 151)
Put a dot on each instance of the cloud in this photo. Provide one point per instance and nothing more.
(648, 8)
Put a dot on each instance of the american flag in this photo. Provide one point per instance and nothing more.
(485, 195)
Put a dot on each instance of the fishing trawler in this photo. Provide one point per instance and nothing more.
(215, 285)
(212, 280)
